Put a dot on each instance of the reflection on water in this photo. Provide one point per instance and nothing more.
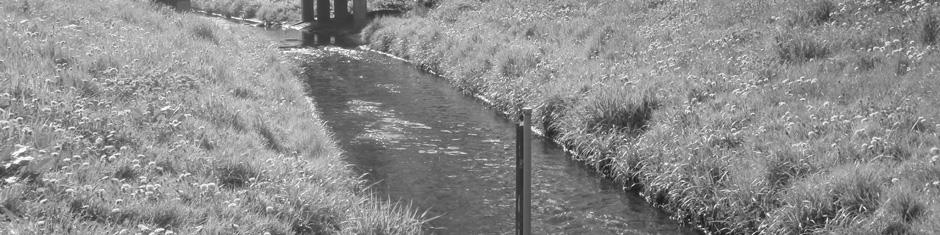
(421, 141)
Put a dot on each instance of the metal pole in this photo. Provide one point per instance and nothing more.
(519, 179)
(524, 174)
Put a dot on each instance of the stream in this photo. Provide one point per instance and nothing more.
(419, 141)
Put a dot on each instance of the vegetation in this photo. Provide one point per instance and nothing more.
(119, 116)
(778, 117)
(264, 10)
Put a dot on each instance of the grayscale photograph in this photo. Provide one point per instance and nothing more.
(280, 117)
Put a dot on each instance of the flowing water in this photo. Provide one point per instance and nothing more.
(420, 141)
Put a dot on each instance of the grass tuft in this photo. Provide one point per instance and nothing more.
(235, 175)
(167, 217)
(907, 206)
(218, 112)
(897, 228)
(845, 194)
(319, 221)
(820, 11)
(125, 173)
(271, 140)
(552, 113)
(930, 29)
(619, 109)
(793, 47)
(88, 210)
(11, 207)
(205, 31)
(785, 166)
(243, 93)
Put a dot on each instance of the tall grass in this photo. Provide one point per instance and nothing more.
(738, 116)
(275, 11)
(122, 116)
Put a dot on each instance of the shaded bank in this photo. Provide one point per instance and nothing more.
(120, 116)
(739, 116)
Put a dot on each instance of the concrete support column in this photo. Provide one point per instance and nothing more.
(183, 5)
(360, 13)
(307, 10)
(341, 9)
(323, 11)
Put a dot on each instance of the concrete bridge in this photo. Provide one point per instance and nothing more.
(334, 15)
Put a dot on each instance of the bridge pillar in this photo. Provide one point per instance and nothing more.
(323, 10)
(341, 10)
(360, 13)
(307, 13)
(183, 5)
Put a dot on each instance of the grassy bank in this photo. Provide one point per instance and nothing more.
(264, 10)
(777, 117)
(118, 116)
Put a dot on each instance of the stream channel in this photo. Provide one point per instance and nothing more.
(419, 141)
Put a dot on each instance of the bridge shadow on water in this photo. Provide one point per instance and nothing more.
(314, 39)
(296, 39)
